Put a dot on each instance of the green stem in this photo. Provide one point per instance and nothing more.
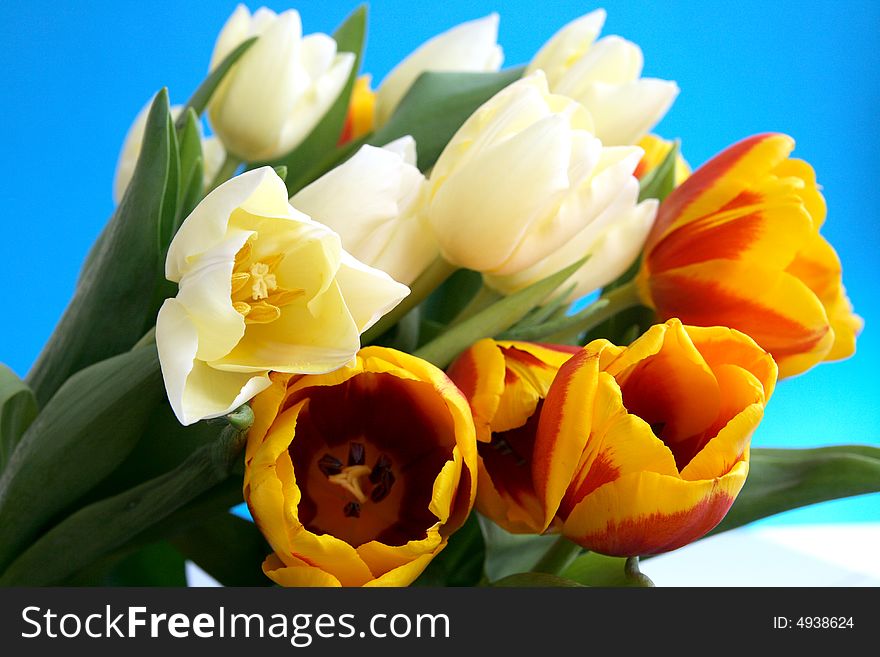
(616, 301)
(557, 557)
(635, 576)
(225, 172)
(421, 288)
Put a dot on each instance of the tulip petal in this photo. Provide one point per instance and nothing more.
(563, 429)
(369, 293)
(568, 45)
(623, 113)
(776, 309)
(479, 373)
(260, 190)
(720, 346)
(470, 46)
(719, 181)
(300, 575)
(195, 390)
(649, 513)
(405, 574)
(728, 448)
(382, 558)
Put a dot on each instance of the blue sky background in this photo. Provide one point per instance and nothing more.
(75, 73)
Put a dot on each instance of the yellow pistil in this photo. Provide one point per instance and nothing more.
(350, 480)
(264, 281)
(255, 292)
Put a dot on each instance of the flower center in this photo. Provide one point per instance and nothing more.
(256, 294)
(351, 478)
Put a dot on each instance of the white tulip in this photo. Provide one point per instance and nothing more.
(280, 88)
(613, 240)
(262, 287)
(605, 77)
(469, 47)
(375, 201)
(213, 153)
(521, 178)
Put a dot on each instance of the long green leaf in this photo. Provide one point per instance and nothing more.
(192, 171)
(98, 529)
(228, 548)
(784, 479)
(202, 96)
(507, 554)
(81, 436)
(660, 181)
(493, 320)
(304, 163)
(18, 408)
(110, 309)
(437, 105)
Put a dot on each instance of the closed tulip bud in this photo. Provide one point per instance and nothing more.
(359, 477)
(605, 77)
(505, 383)
(643, 449)
(469, 47)
(738, 244)
(375, 201)
(213, 153)
(613, 240)
(361, 116)
(521, 178)
(262, 287)
(656, 149)
(281, 87)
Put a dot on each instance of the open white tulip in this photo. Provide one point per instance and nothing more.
(213, 153)
(262, 287)
(605, 77)
(613, 240)
(376, 202)
(521, 178)
(468, 47)
(280, 88)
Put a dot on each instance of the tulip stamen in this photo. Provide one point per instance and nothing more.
(352, 510)
(350, 480)
(350, 477)
(264, 281)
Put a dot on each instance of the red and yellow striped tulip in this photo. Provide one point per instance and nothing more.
(643, 449)
(358, 477)
(738, 245)
(505, 384)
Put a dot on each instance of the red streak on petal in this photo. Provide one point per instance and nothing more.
(659, 532)
(602, 471)
(707, 303)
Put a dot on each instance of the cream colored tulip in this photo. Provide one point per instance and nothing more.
(262, 287)
(213, 153)
(613, 240)
(280, 88)
(522, 177)
(604, 76)
(376, 202)
(469, 47)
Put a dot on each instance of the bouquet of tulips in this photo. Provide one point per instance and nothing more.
(475, 326)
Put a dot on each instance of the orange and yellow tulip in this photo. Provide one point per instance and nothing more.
(738, 245)
(358, 477)
(656, 149)
(505, 383)
(361, 116)
(643, 449)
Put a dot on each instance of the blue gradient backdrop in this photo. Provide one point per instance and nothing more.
(75, 73)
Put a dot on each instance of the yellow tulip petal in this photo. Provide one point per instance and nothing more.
(303, 575)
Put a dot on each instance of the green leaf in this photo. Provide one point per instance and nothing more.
(461, 561)
(508, 553)
(18, 408)
(536, 580)
(80, 437)
(192, 171)
(159, 564)
(660, 181)
(593, 569)
(494, 320)
(784, 479)
(202, 96)
(437, 105)
(100, 528)
(304, 162)
(110, 310)
(228, 548)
